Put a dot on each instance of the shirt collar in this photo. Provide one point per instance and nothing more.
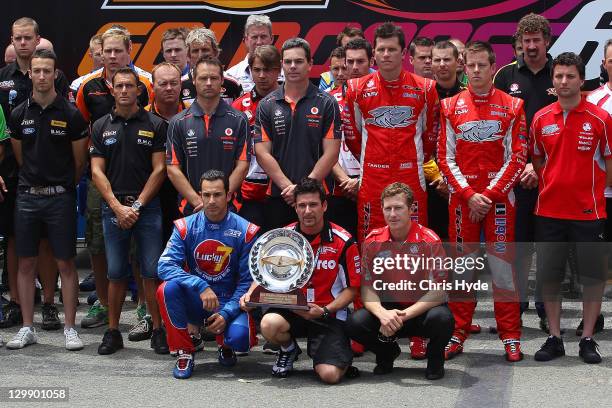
(557, 109)
(520, 63)
(57, 102)
(325, 235)
(221, 110)
(480, 99)
(310, 91)
(213, 225)
(140, 115)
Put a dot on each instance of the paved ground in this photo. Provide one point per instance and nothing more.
(479, 378)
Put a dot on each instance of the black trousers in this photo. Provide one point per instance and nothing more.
(436, 324)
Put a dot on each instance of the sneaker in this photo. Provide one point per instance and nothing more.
(418, 348)
(269, 348)
(141, 311)
(111, 342)
(73, 341)
(434, 370)
(97, 316)
(453, 348)
(92, 298)
(599, 326)
(184, 365)
(226, 356)
(88, 284)
(284, 361)
(11, 315)
(159, 344)
(589, 351)
(475, 329)
(357, 348)
(385, 365)
(50, 318)
(141, 330)
(552, 348)
(352, 372)
(513, 350)
(24, 337)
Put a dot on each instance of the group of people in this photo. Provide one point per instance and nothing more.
(375, 154)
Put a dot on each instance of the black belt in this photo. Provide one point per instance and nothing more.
(45, 190)
(127, 199)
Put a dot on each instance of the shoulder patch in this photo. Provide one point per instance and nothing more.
(181, 226)
(251, 232)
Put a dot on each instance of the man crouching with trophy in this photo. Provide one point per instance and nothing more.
(205, 273)
(332, 286)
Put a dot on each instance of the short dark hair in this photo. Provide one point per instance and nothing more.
(607, 45)
(208, 60)
(337, 52)
(396, 188)
(444, 45)
(390, 30)
(360, 44)
(309, 185)
(46, 54)
(268, 55)
(568, 59)
(296, 42)
(125, 71)
(516, 40)
(214, 175)
(420, 42)
(478, 46)
(349, 31)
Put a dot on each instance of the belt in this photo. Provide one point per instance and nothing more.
(45, 190)
(127, 199)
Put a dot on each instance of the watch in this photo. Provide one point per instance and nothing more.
(326, 313)
(136, 206)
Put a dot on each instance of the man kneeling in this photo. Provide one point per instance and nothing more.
(205, 273)
(331, 288)
(378, 325)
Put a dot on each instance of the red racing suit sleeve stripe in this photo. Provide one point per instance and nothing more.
(351, 117)
(447, 149)
(432, 116)
(515, 158)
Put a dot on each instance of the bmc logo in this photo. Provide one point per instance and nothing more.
(326, 264)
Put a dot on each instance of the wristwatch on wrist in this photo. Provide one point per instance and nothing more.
(136, 206)
(326, 313)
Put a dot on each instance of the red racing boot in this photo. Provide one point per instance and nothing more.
(418, 348)
(513, 350)
(453, 348)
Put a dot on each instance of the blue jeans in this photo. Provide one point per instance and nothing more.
(147, 232)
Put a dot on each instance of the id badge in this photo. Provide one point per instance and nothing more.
(310, 295)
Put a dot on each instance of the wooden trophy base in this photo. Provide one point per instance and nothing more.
(291, 300)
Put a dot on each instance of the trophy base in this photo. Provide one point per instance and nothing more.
(291, 300)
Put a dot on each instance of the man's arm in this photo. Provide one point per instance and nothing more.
(263, 151)
(238, 174)
(17, 151)
(352, 129)
(432, 120)
(429, 300)
(323, 166)
(156, 178)
(174, 157)
(79, 152)
(241, 166)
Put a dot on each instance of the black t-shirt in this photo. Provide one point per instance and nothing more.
(128, 145)
(46, 137)
(231, 90)
(12, 79)
(536, 90)
(449, 93)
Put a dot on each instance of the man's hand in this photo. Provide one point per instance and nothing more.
(215, 323)
(314, 312)
(479, 207)
(197, 205)
(209, 300)
(126, 216)
(287, 194)
(350, 187)
(441, 187)
(3, 189)
(529, 178)
(390, 321)
(243, 302)
(193, 329)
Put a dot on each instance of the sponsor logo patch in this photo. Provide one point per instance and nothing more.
(59, 123)
(145, 133)
(391, 116)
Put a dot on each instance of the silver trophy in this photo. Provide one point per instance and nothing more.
(281, 262)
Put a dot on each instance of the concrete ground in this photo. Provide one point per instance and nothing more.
(480, 377)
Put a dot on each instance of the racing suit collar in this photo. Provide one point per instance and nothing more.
(325, 234)
(481, 99)
(209, 225)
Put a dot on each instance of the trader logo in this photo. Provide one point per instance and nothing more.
(220, 6)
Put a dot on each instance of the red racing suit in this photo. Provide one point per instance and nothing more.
(393, 131)
(483, 149)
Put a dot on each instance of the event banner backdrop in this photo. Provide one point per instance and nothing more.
(579, 26)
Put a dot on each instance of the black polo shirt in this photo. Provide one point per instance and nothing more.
(536, 90)
(46, 137)
(297, 130)
(95, 100)
(231, 90)
(128, 145)
(444, 93)
(198, 143)
(11, 78)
